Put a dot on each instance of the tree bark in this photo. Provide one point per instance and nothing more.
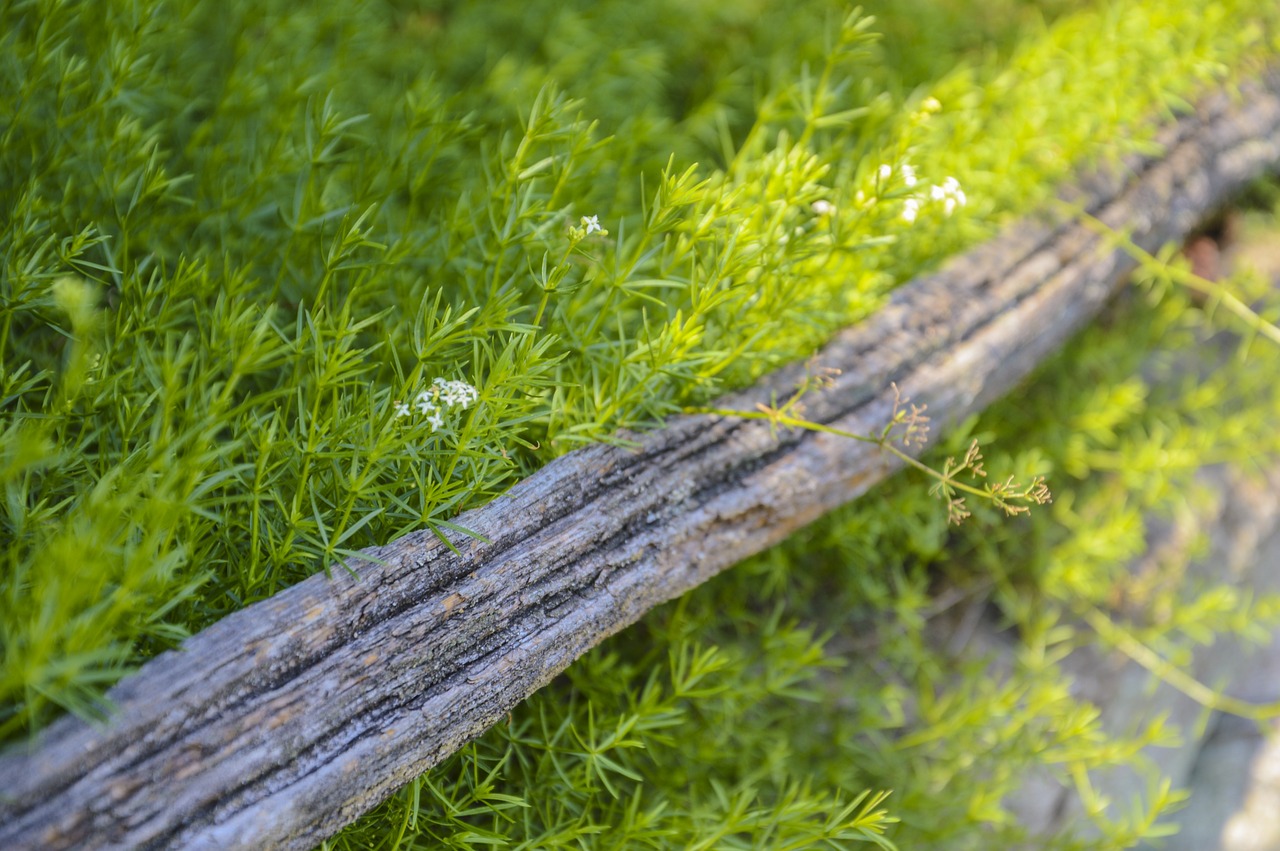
(287, 720)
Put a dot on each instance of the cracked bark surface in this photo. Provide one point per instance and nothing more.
(287, 720)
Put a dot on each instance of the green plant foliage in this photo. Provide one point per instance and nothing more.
(752, 712)
(241, 243)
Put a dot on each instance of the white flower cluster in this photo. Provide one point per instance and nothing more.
(436, 399)
(910, 209)
(908, 173)
(586, 226)
(948, 193)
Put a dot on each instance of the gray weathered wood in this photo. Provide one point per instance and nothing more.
(285, 721)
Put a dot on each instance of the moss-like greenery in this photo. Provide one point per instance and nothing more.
(759, 710)
(240, 239)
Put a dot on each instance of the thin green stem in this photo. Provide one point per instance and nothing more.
(1185, 277)
(883, 442)
(1130, 646)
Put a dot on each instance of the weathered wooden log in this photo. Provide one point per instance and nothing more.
(287, 720)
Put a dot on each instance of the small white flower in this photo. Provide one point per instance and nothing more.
(886, 171)
(592, 224)
(823, 208)
(425, 402)
(910, 209)
(908, 175)
(432, 404)
(458, 393)
(950, 194)
(931, 104)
